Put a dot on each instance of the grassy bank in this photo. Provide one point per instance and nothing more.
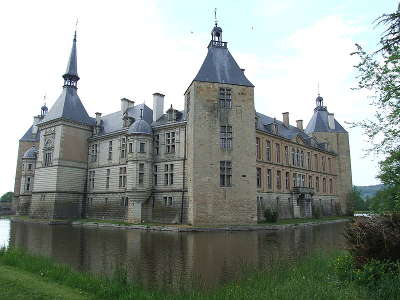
(308, 220)
(313, 278)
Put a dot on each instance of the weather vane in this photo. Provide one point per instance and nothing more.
(318, 87)
(215, 16)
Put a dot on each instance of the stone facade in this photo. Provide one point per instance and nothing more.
(216, 162)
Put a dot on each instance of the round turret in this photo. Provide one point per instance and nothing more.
(31, 153)
(140, 127)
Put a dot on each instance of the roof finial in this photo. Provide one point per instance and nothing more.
(215, 17)
(76, 28)
(318, 88)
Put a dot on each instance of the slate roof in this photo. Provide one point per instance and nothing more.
(29, 137)
(219, 66)
(140, 126)
(319, 122)
(290, 132)
(72, 66)
(31, 153)
(69, 107)
(163, 120)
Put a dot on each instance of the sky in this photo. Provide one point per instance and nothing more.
(133, 49)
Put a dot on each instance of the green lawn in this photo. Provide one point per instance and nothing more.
(30, 277)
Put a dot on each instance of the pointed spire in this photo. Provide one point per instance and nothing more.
(71, 74)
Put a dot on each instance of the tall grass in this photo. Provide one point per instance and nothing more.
(312, 278)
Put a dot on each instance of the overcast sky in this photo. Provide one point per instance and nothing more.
(135, 48)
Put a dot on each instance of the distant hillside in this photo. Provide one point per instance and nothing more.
(369, 190)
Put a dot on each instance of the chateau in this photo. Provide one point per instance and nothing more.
(216, 162)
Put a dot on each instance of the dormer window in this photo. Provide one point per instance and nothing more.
(275, 128)
(171, 114)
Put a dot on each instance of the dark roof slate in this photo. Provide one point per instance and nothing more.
(219, 66)
(140, 127)
(29, 137)
(31, 153)
(69, 107)
(319, 122)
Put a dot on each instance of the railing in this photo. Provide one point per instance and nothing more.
(302, 190)
(218, 44)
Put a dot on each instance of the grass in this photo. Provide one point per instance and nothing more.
(312, 278)
(302, 220)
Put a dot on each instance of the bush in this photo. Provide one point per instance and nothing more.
(270, 215)
(316, 211)
(374, 238)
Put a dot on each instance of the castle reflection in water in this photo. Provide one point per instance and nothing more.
(170, 259)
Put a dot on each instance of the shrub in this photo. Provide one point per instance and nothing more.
(316, 211)
(270, 215)
(375, 238)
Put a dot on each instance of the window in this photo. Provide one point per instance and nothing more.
(122, 177)
(302, 159)
(225, 98)
(187, 105)
(106, 201)
(110, 149)
(91, 179)
(124, 201)
(142, 147)
(293, 157)
(167, 201)
(155, 175)
(308, 160)
(324, 185)
(141, 174)
(225, 173)
(323, 163)
(28, 184)
(303, 180)
(225, 136)
(130, 147)
(287, 180)
(278, 153)
(316, 162)
(107, 178)
(156, 144)
(287, 155)
(168, 174)
(269, 178)
(310, 185)
(93, 153)
(329, 164)
(259, 177)
(258, 145)
(123, 147)
(170, 142)
(29, 167)
(330, 186)
(317, 184)
(268, 151)
(48, 158)
(298, 157)
(278, 179)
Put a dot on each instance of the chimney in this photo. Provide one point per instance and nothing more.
(125, 104)
(158, 106)
(285, 117)
(36, 120)
(299, 124)
(98, 118)
(331, 121)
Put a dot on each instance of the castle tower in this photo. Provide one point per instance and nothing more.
(61, 166)
(221, 158)
(324, 127)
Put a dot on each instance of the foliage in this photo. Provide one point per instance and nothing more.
(376, 238)
(270, 215)
(7, 197)
(369, 190)
(316, 211)
(357, 200)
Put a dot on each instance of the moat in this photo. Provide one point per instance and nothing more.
(170, 259)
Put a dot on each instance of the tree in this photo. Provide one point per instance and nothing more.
(379, 72)
(357, 200)
(7, 197)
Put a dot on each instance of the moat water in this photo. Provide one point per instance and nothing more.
(169, 259)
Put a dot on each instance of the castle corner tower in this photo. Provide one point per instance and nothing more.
(219, 106)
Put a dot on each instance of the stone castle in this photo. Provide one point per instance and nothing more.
(216, 162)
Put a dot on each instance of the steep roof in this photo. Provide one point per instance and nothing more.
(319, 122)
(29, 137)
(31, 153)
(68, 106)
(140, 126)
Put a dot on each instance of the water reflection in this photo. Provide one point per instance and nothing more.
(168, 259)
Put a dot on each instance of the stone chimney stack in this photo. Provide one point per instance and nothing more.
(158, 106)
(299, 124)
(285, 118)
(125, 104)
(331, 121)
(36, 120)
(98, 118)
